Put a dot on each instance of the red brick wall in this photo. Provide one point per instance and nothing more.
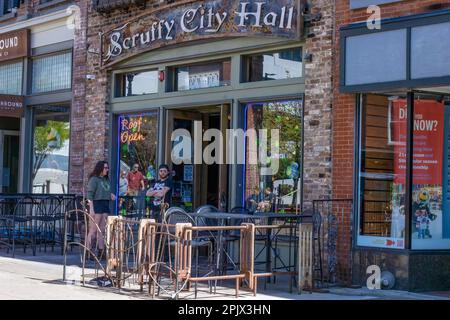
(96, 100)
(344, 104)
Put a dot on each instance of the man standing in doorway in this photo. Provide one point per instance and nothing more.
(161, 191)
(135, 181)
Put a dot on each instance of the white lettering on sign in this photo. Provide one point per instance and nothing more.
(206, 19)
(9, 43)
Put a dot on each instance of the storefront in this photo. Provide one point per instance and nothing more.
(400, 76)
(35, 100)
(14, 48)
(188, 82)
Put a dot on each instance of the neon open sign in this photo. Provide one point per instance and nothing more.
(131, 130)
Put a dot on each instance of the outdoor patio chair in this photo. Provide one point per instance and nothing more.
(176, 215)
(22, 224)
(48, 223)
(7, 206)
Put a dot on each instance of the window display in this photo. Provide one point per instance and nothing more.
(382, 172)
(137, 140)
(51, 131)
(282, 189)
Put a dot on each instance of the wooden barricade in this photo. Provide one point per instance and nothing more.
(247, 253)
(146, 248)
(305, 257)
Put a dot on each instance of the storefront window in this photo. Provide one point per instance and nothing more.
(51, 133)
(284, 64)
(200, 76)
(280, 190)
(137, 83)
(11, 78)
(382, 172)
(138, 142)
(431, 189)
(52, 73)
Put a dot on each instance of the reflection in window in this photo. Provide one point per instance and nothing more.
(11, 78)
(137, 83)
(282, 189)
(382, 172)
(284, 64)
(51, 131)
(202, 76)
(52, 73)
(138, 138)
(7, 6)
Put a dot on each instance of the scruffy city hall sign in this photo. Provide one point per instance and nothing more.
(194, 20)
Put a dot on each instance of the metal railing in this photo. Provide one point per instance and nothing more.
(332, 242)
(34, 221)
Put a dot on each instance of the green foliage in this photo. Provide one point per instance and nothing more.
(57, 132)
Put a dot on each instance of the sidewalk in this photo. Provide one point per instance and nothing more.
(40, 278)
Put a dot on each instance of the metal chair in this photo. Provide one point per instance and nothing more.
(176, 215)
(22, 223)
(7, 206)
(47, 226)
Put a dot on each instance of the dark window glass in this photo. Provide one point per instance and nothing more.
(137, 83)
(6, 6)
(200, 76)
(382, 172)
(51, 131)
(284, 64)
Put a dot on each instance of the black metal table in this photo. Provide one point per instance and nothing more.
(225, 218)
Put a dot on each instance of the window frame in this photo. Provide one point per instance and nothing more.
(410, 98)
(405, 22)
(8, 4)
(31, 68)
(120, 83)
(359, 4)
(243, 107)
(115, 143)
(245, 74)
(30, 152)
(21, 61)
(172, 78)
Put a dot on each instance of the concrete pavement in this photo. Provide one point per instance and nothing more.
(40, 278)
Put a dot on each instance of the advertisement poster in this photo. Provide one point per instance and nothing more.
(427, 214)
(428, 141)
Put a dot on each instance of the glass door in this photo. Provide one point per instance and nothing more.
(186, 169)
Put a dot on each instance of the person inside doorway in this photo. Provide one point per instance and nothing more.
(135, 181)
(161, 191)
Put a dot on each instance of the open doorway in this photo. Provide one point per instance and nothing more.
(195, 182)
(9, 154)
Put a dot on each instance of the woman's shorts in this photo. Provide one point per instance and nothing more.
(101, 206)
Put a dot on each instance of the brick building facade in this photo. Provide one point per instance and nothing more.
(317, 91)
(367, 157)
(334, 108)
